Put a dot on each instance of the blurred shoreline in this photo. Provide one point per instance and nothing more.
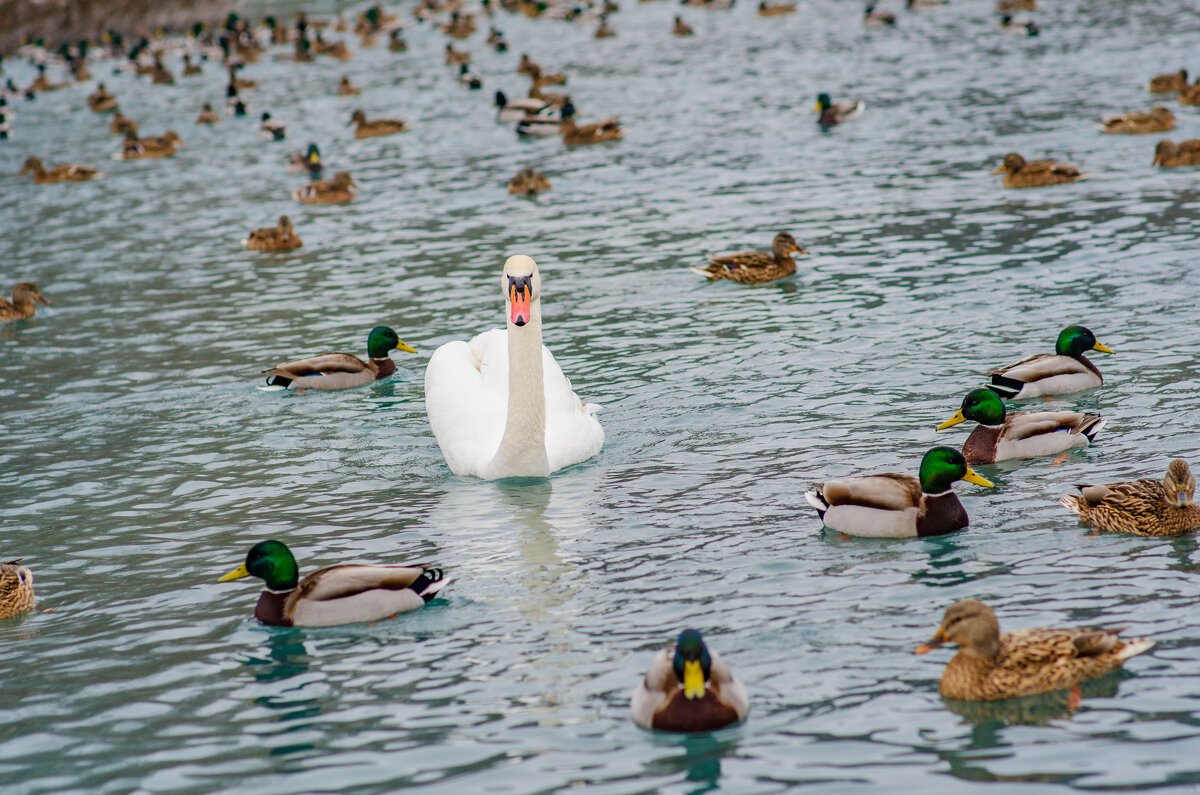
(69, 21)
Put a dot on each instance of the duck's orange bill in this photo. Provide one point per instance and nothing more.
(518, 302)
(933, 643)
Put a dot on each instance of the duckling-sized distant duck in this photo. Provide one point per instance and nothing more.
(527, 66)
(766, 9)
(208, 115)
(338, 190)
(377, 127)
(396, 42)
(469, 79)
(101, 101)
(1066, 370)
(1173, 155)
(190, 68)
(877, 19)
(496, 40)
(989, 666)
(1022, 434)
(16, 589)
(68, 172)
(689, 689)
(274, 238)
(604, 30)
(921, 5)
(341, 370)
(682, 28)
(1158, 120)
(1021, 173)
(347, 89)
(756, 267)
(1019, 26)
(892, 505)
(271, 129)
(122, 124)
(240, 83)
(1164, 507)
(134, 148)
(528, 182)
(24, 295)
(829, 114)
(342, 594)
(1168, 83)
(307, 162)
(43, 82)
(456, 57)
(542, 78)
(600, 132)
(1008, 6)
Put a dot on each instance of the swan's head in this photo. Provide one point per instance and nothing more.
(522, 287)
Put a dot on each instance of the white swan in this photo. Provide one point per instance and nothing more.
(500, 405)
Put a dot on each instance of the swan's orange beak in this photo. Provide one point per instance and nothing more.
(520, 293)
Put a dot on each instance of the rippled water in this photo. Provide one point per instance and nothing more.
(140, 462)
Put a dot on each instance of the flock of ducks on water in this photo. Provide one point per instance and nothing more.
(500, 406)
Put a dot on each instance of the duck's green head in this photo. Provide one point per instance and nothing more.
(270, 561)
(823, 102)
(313, 156)
(1074, 341)
(692, 663)
(382, 340)
(941, 466)
(981, 405)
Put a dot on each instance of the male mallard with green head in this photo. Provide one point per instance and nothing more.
(830, 114)
(24, 296)
(892, 505)
(338, 190)
(1164, 507)
(330, 371)
(1022, 434)
(16, 589)
(756, 267)
(1021, 173)
(1066, 370)
(343, 594)
(689, 689)
(990, 666)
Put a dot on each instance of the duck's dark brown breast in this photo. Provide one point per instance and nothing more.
(943, 514)
(980, 447)
(693, 715)
(269, 609)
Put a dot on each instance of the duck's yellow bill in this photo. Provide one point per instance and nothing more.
(401, 345)
(236, 574)
(979, 480)
(955, 420)
(693, 680)
(1102, 348)
(817, 108)
(1000, 170)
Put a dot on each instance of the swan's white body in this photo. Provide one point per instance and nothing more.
(500, 405)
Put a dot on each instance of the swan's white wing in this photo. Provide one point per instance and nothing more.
(466, 399)
(573, 433)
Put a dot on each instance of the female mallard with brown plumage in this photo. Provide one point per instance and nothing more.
(775, 9)
(756, 267)
(101, 101)
(891, 505)
(208, 115)
(1066, 370)
(1021, 173)
(528, 182)
(16, 589)
(274, 238)
(455, 57)
(122, 124)
(1168, 83)
(330, 371)
(338, 190)
(347, 89)
(1164, 507)
(600, 132)
(990, 666)
(135, 148)
(689, 689)
(542, 78)
(24, 295)
(377, 127)
(1022, 434)
(1173, 155)
(68, 172)
(682, 28)
(1158, 119)
(1190, 95)
(343, 594)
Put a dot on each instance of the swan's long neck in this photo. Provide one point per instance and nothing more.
(522, 451)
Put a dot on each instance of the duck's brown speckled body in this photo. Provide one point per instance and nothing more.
(756, 267)
(1021, 173)
(1164, 507)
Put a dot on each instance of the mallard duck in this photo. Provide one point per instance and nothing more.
(274, 238)
(271, 129)
(1168, 83)
(1066, 370)
(546, 123)
(1173, 155)
(377, 127)
(240, 83)
(342, 594)
(16, 589)
(689, 689)
(989, 666)
(528, 182)
(208, 115)
(135, 148)
(1005, 6)
(396, 42)
(468, 79)
(1164, 507)
(68, 172)
(24, 295)
(920, 5)
(341, 370)
(101, 101)
(600, 132)
(456, 57)
(549, 97)
(338, 190)
(122, 124)
(497, 41)
(543, 78)
(190, 68)
(1159, 119)
(1023, 434)
(877, 19)
(527, 66)
(517, 109)
(829, 114)
(891, 505)
(1190, 95)
(43, 82)
(307, 162)
(161, 75)
(1019, 173)
(604, 30)
(766, 9)
(347, 89)
(682, 28)
(756, 267)
(1018, 25)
